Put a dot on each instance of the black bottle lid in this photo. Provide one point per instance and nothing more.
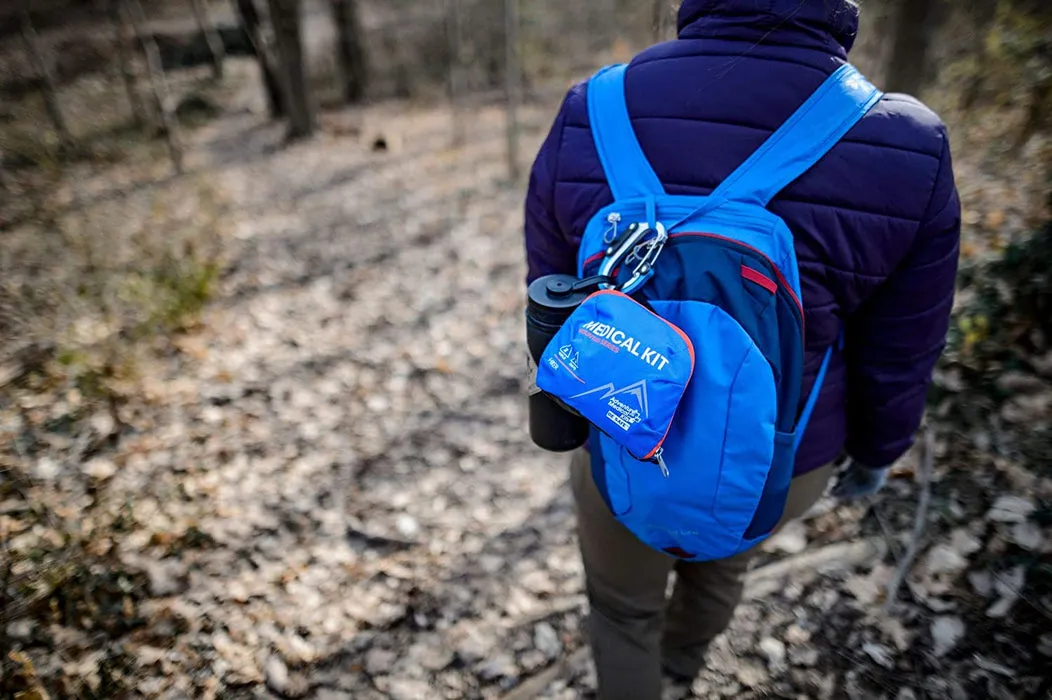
(557, 295)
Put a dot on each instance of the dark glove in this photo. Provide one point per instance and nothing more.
(858, 480)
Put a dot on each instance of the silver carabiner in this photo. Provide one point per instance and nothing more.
(635, 234)
(634, 255)
(647, 260)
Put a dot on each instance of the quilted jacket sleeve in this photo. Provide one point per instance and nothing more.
(548, 249)
(897, 336)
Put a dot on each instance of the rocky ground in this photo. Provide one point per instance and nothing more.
(325, 488)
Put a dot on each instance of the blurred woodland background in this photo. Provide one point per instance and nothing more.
(260, 435)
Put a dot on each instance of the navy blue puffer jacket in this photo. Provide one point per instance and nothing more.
(876, 222)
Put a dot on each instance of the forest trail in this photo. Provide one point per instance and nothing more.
(346, 429)
(331, 489)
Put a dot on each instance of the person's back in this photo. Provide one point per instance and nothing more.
(876, 231)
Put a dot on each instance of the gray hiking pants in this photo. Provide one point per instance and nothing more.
(632, 628)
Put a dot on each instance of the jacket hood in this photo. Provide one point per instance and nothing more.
(828, 24)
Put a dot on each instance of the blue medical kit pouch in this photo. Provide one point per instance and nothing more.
(622, 367)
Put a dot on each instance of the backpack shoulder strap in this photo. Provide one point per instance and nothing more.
(626, 167)
(831, 111)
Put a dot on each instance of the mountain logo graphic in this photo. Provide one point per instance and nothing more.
(637, 390)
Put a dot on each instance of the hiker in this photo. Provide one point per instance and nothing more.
(875, 224)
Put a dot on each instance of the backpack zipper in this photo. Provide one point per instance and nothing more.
(611, 233)
(783, 284)
(661, 461)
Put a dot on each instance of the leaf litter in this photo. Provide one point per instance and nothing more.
(328, 491)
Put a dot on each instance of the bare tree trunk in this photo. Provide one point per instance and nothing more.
(124, 34)
(285, 16)
(908, 67)
(4, 186)
(1040, 95)
(984, 18)
(158, 83)
(47, 82)
(663, 20)
(208, 29)
(454, 32)
(394, 50)
(351, 49)
(511, 84)
(248, 15)
(598, 19)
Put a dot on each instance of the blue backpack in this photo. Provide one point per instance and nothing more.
(689, 361)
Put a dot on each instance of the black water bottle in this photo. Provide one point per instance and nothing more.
(551, 301)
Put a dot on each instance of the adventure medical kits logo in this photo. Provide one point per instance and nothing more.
(619, 412)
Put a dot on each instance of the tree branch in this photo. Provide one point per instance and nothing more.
(919, 521)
